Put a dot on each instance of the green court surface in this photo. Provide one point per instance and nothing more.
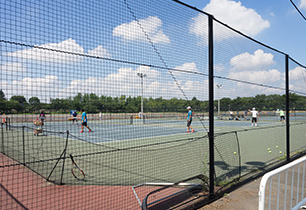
(162, 157)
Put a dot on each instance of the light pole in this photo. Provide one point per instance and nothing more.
(141, 75)
(219, 86)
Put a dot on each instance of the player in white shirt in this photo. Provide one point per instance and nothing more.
(254, 116)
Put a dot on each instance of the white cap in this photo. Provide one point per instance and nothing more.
(189, 107)
(253, 108)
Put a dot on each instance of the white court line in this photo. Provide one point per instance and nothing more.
(144, 138)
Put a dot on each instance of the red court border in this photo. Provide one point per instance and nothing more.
(34, 192)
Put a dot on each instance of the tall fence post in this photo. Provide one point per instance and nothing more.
(2, 138)
(23, 145)
(287, 110)
(211, 105)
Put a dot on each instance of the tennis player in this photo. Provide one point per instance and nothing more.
(42, 117)
(74, 117)
(84, 121)
(254, 116)
(282, 115)
(189, 120)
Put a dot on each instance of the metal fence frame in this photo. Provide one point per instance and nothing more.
(267, 179)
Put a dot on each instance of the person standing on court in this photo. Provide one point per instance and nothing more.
(42, 117)
(254, 116)
(74, 117)
(100, 115)
(84, 121)
(189, 120)
(282, 115)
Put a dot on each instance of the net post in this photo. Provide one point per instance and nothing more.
(23, 146)
(211, 105)
(287, 109)
(64, 158)
(63, 153)
(239, 154)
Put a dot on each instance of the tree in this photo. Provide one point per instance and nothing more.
(35, 103)
(77, 101)
(20, 99)
(2, 96)
(14, 105)
(18, 103)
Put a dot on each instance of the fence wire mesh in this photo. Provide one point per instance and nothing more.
(109, 83)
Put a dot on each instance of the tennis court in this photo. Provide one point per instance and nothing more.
(125, 129)
(117, 149)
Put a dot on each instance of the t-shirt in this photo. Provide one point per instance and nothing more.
(254, 113)
(84, 117)
(189, 117)
(281, 113)
(42, 116)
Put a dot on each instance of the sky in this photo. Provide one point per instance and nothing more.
(57, 49)
(279, 23)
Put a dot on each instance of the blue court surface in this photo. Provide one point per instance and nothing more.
(119, 130)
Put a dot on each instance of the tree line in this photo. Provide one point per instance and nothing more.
(123, 104)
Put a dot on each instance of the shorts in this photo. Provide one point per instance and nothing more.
(84, 123)
(254, 119)
(189, 123)
(282, 117)
(74, 119)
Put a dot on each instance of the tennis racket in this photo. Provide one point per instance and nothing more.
(76, 171)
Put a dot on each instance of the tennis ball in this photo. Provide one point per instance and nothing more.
(276, 147)
(270, 151)
(280, 152)
(235, 153)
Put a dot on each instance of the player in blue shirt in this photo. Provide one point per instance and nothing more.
(84, 122)
(189, 120)
(74, 117)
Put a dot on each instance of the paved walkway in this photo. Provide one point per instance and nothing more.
(243, 198)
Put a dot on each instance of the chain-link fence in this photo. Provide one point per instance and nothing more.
(109, 82)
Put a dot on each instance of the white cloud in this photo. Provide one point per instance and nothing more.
(255, 68)
(122, 82)
(13, 68)
(272, 77)
(258, 61)
(48, 52)
(302, 4)
(99, 52)
(126, 82)
(133, 32)
(297, 78)
(219, 67)
(189, 67)
(186, 67)
(232, 13)
(43, 88)
(199, 27)
(259, 77)
(297, 73)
